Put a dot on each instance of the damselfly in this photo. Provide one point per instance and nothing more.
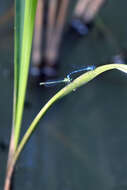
(68, 79)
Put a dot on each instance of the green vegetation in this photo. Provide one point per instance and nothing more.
(24, 26)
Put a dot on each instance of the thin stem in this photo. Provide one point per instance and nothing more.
(78, 82)
(9, 176)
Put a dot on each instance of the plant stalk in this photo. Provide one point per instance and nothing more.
(78, 82)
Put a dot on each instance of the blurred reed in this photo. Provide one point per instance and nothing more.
(87, 9)
(38, 34)
(80, 7)
(57, 32)
(92, 10)
(51, 20)
(55, 20)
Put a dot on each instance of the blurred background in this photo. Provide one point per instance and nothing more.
(81, 142)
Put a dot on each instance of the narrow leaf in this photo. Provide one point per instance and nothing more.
(24, 59)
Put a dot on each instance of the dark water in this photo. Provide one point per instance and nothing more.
(81, 142)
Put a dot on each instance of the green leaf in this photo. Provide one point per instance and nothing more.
(78, 82)
(24, 25)
(18, 31)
